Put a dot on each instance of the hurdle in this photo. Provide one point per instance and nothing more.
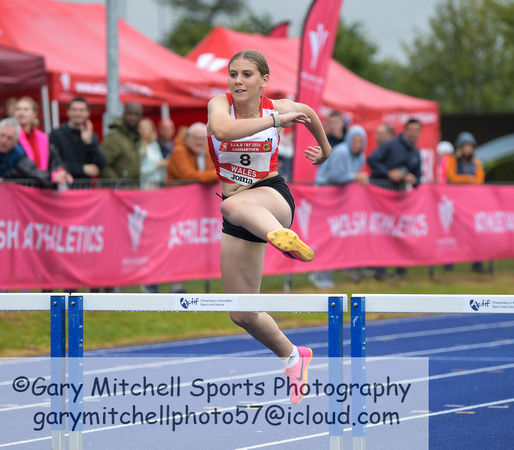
(55, 303)
(332, 304)
(410, 303)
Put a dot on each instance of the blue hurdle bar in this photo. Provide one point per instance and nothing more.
(76, 353)
(358, 350)
(336, 308)
(58, 364)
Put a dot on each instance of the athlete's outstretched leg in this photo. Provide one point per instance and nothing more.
(242, 264)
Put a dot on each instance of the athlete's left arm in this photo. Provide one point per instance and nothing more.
(288, 111)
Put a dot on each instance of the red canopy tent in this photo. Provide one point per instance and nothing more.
(359, 100)
(72, 39)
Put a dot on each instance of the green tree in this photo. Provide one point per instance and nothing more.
(254, 23)
(198, 17)
(354, 51)
(466, 62)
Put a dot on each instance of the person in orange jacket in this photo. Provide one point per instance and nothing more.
(190, 160)
(463, 167)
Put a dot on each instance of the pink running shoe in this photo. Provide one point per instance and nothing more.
(298, 376)
(288, 242)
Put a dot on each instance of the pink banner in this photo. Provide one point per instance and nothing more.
(317, 47)
(101, 237)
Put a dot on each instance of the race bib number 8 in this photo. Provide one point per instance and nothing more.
(245, 162)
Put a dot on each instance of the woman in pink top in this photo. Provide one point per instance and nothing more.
(35, 142)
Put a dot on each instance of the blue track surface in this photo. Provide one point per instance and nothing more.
(471, 387)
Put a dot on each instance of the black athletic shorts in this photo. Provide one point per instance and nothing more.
(279, 184)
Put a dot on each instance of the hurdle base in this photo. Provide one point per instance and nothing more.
(359, 443)
(336, 442)
(58, 441)
(75, 440)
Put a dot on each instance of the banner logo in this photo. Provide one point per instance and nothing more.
(446, 211)
(317, 40)
(65, 81)
(303, 212)
(209, 61)
(135, 223)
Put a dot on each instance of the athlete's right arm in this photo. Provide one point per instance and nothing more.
(221, 125)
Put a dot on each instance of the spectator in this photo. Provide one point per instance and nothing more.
(14, 163)
(344, 166)
(335, 128)
(121, 145)
(153, 168)
(464, 168)
(190, 160)
(395, 164)
(34, 142)
(166, 129)
(346, 161)
(77, 144)
(8, 107)
(153, 165)
(398, 160)
(444, 150)
(384, 132)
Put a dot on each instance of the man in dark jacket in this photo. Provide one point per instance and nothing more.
(77, 144)
(14, 163)
(121, 145)
(395, 164)
(398, 160)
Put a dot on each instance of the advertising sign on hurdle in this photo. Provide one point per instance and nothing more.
(489, 304)
(206, 303)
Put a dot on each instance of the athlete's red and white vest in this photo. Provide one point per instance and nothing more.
(246, 161)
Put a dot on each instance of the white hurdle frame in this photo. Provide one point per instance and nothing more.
(165, 302)
(408, 303)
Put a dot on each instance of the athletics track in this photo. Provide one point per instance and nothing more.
(471, 387)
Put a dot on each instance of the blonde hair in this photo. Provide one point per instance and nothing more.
(31, 101)
(153, 133)
(34, 106)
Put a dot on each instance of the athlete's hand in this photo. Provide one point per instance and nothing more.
(315, 155)
(290, 118)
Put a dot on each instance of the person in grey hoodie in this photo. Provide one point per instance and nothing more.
(346, 161)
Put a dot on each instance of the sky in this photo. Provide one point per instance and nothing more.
(385, 23)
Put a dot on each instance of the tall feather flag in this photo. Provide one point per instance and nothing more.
(317, 47)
